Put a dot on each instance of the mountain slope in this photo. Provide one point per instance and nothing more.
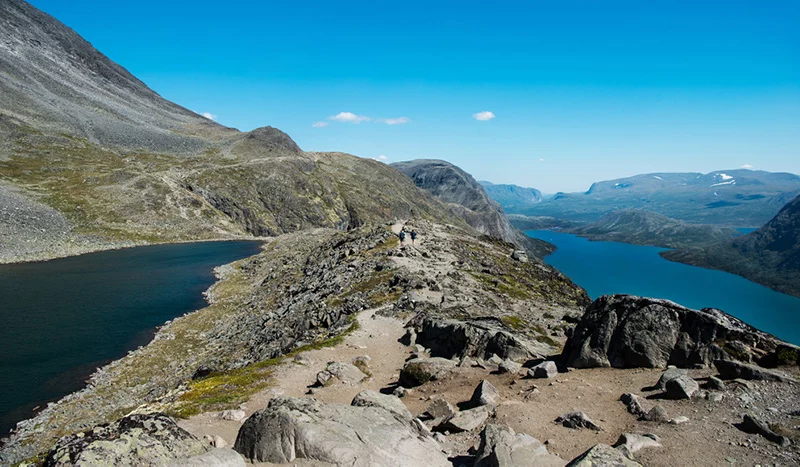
(91, 158)
(769, 255)
(734, 198)
(648, 228)
(512, 196)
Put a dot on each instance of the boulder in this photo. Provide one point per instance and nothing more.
(485, 394)
(466, 420)
(419, 371)
(344, 372)
(520, 255)
(477, 339)
(656, 414)
(751, 424)
(715, 384)
(625, 331)
(603, 455)
(293, 428)
(671, 373)
(682, 387)
(678, 420)
(577, 420)
(215, 458)
(634, 404)
(392, 404)
(139, 439)
(509, 366)
(729, 369)
(232, 415)
(502, 447)
(440, 408)
(629, 443)
(546, 369)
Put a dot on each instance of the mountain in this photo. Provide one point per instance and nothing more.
(734, 198)
(648, 228)
(459, 189)
(91, 158)
(769, 255)
(512, 196)
(540, 222)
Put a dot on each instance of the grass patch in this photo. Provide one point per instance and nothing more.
(505, 285)
(787, 357)
(514, 322)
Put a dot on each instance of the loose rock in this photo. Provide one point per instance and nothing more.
(419, 371)
(601, 455)
(729, 369)
(682, 387)
(485, 394)
(502, 447)
(466, 420)
(577, 420)
(751, 424)
(629, 443)
(546, 369)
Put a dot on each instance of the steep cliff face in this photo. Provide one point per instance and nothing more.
(466, 196)
(512, 196)
(769, 255)
(111, 163)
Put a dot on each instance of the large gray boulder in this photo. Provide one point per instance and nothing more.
(729, 369)
(140, 439)
(294, 428)
(393, 404)
(466, 420)
(682, 387)
(502, 447)
(485, 394)
(419, 371)
(603, 455)
(625, 331)
(215, 458)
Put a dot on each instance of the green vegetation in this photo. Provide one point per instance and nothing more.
(787, 356)
(514, 322)
(505, 285)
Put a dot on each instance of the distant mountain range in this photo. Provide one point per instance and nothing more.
(769, 255)
(512, 196)
(734, 198)
(648, 228)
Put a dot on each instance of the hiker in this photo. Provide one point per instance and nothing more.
(413, 236)
(402, 236)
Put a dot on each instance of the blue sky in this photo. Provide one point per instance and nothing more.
(579, 91)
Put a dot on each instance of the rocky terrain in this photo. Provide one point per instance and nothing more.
(769, 255)
(512, 196)
(732, 198)
(641, 227)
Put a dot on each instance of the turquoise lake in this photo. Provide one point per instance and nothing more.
(610, 267)
(62, 319)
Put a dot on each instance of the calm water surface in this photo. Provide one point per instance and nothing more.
(611, 267)
(62, 319)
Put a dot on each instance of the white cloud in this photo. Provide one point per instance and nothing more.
(319, 124)
(349, 117)
(383, 158)
(541, 159)
(746, 166)
(209, 116)
(394, 121)
(483, 116)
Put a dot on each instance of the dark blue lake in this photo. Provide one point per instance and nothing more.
(611, 267)
(62, 319)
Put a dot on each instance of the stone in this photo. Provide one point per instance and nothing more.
(233, 415)
(671, 373)
(634, 404)
(630, 443)
(509, 366)
(656, 414)
(466, 420)
(401, 392)
(751, 424)
(729, 369)
(714, 396)
(520, 255)
(419, 371)
(715, 384)
(682, 387)
(324, 378)
(440, 438)
(216, 458)
(294, 428)
(502, 447)
(346, 372)
(440, 408)
(138, 439)
(218, 442)
(625, 331)
(485, 394)
(678, 420)
(577, 420)
(495, 360)
(603, 455)
(392, 404)
(546, 369)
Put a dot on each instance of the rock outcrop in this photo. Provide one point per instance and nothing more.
(603, 455)
(291, 428)
(501, 446)
(625, 331)
(152, 439)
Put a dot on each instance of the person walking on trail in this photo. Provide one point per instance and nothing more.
(413, 237)
(402, 236)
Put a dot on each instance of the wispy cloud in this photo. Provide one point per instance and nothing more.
(746, 166)
(349, 117)
(394, 121)
(483, 116)
(383, 158)
(319, 124)
(209, 116)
